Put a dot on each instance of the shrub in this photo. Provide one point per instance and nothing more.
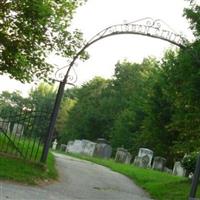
(189, 161)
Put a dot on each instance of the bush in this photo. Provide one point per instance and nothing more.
(189, 161)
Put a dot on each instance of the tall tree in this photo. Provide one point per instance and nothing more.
(42, 99)
(130, 96)
(29, 30)
(85, 119)
(63, 116)
(12, 103)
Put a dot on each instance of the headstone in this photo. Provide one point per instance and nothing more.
(137, 161)
(146, 155)
(178, 170)
(102, 149)
(54, 144)
(128, 158)
(123, 156)
(141, 161)
(76, 147)
(4, 125)
(159, 163)
(18, 129)
(89, 148)
(120, 155)
(167, 170)
(63, 147)
(190, 176)
(69, 146)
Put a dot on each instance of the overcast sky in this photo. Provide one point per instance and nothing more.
(96, 15)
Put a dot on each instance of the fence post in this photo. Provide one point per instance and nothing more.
(52, 122)
(195, 180)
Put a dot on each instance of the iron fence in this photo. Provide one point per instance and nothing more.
(23, 134)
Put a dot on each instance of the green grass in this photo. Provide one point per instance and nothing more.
(14, 167)
(159, 185)
(27, 172)
(29, 147)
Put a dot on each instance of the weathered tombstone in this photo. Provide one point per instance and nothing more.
(141, 161)
(120, 155)
(128, 158)
(76, 147)
(145, 157)
(18, 129)
(159, 163)
(102, 149)
(89, 148)
(54, 144)
(167, 170)
(123, 156)
(4, 125)
(137, 161)
(63, 147)
(190, 176)
(178, 170)
(69, 146)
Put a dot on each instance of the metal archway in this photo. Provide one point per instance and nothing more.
(146, 27)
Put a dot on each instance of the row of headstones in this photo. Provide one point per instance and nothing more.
(101, 148)
(18, 129)
(144, 160)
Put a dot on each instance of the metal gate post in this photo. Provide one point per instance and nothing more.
(195, 180)
(52, 122)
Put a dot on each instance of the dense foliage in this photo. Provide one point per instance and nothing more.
(189, 161)
(29, 30)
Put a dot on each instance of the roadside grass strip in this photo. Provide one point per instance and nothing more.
(15, 169)
(29, 147)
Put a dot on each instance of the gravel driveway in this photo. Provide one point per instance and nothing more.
(79, 180)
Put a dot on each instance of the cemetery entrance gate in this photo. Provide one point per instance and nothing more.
(23, 134)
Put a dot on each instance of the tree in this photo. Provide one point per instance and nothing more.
(85, 119)
(42, 99)
(131, 90)
(192, 14)
(66, 105)
(29, 30)
(158, 113)
(12, 103)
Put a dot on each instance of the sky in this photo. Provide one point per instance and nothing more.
(96, 15)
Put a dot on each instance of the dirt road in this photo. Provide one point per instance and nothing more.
(79, 180)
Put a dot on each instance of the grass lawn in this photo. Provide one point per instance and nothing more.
(160, 186)
(30, 148)
(22, 170)
(26, 172)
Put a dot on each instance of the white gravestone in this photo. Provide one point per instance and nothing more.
(18, 129)
(136, 161)
(4, 125)
(128, 158)
(89, 148)
(141, 161)
(159, 163)
(123, 156)
(178, 170)
(102, 149)
(76, 147)
(146, 155)
(63, 147)
(69, 146)
(54, 144)
(167, 170)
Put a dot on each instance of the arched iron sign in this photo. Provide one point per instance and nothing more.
(146, 27)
